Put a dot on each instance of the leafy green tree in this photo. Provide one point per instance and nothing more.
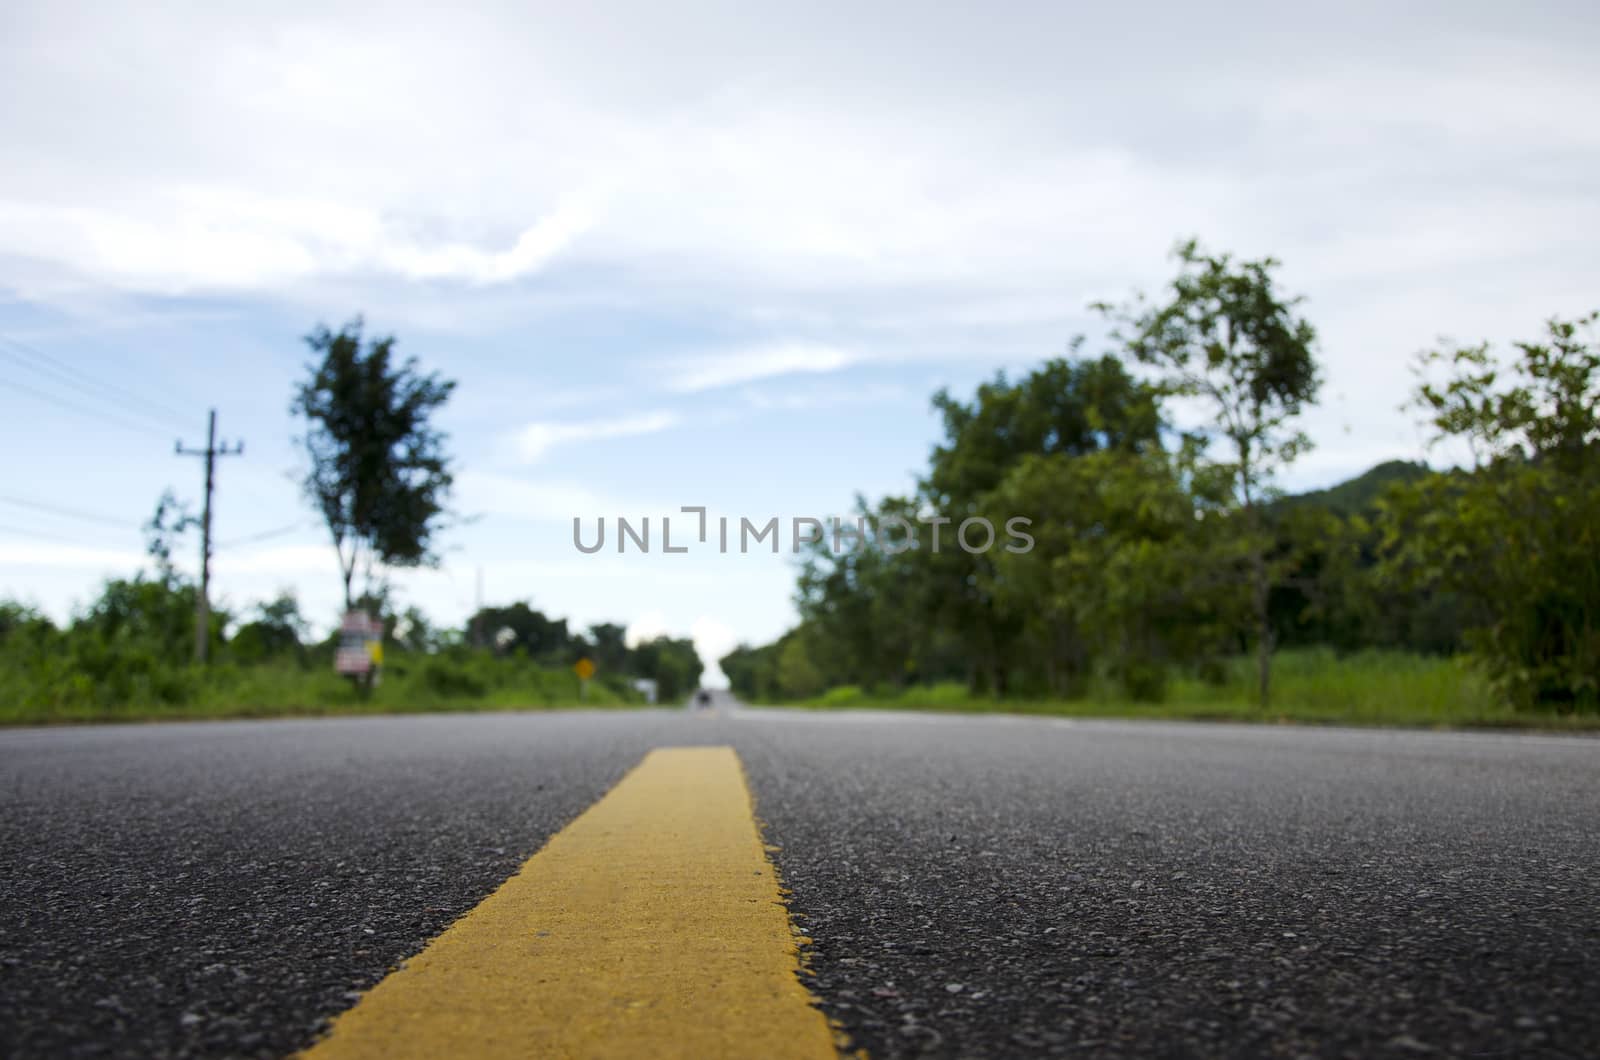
(1322, 593)
(277, 631)
(171, 520)
(380, 476)
(1224, 335)
(156, 616)
(863, 608)
(608, 647)
(1068, 407)
(413, 631)
(133, 644)
(1331, 587)
(672, 663)
(910, 610)
(1120, 570)
(519, 627)
(798, 676)
(751, 671)
(1517, 536)
(1548, 413)
(24, 627)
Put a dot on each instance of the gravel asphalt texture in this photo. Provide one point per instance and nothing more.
(974, 886)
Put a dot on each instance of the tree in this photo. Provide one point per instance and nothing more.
(1225, 336)
(522, 628)
(379, 476)
(1067, 407)
(1549, 413)
(170, 521)
(798, 676)
(22, 625)
(156, 617)
(752, 671)
(277, 630)
(414, 632)
(672, 663)
(907, 610)
(1064, 406)
(862, 608)
(609, 647)
(1518, 535)
(1121, 570)
(1332, 589)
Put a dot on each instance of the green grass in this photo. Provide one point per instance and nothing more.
(50, 690)
(1309, 686)
(1313, 686)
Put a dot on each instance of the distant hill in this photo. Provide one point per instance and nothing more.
(1361, 493)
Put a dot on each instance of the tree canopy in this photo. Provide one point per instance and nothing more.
(1224, 336)
(379, 475)
(1517, 537)
(1160, 550)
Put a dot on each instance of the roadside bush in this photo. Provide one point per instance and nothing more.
(447, 679)
(843, 696)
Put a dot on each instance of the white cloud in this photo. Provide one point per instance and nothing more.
(542, 500)
(208, 239)
(26, 554)
(831, 396)
(695, 374)
(537, 244)
(536, 439)
(858, 177)
(648, 626)
(280, 561)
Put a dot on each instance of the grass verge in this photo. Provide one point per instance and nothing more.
(52, 691)
(1310, 686)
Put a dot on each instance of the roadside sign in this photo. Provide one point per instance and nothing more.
(584, 668)
(360, 650)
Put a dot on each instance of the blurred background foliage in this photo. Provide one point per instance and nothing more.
(129, 654)
(1167, 574)
(1470, 594)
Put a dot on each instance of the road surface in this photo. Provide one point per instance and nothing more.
(973, 886)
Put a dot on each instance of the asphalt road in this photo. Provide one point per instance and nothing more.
(974, 886)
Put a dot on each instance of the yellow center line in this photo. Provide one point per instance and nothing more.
(653, 925)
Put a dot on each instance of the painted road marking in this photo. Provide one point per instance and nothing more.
(653, 925)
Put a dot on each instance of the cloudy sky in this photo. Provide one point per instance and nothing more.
(716, 254)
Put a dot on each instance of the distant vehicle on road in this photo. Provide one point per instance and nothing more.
(702, 699)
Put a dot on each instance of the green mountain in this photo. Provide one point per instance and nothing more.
(1361, 493)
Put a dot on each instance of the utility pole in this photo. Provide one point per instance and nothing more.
(475, 638)
(202, 603)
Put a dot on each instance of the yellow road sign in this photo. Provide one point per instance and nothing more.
(584, 668)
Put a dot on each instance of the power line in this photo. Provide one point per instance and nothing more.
(72, 376)
(264, 535)
(103, 417)
(55, 539)
(121, 402)
(263, 476)
(70, 513)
